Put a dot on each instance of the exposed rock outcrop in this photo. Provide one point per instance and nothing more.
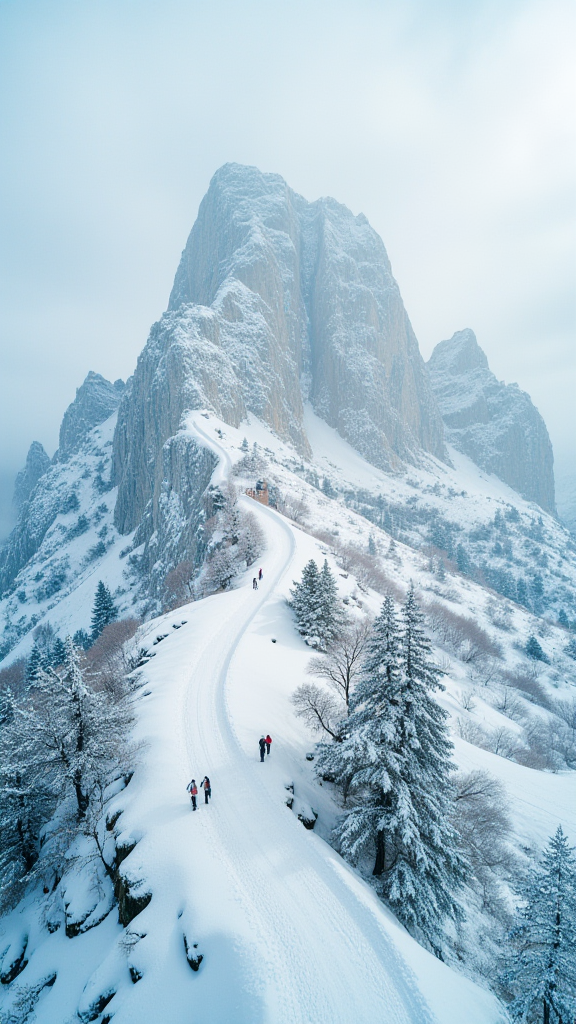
(55, 489)
(37, 462)
(96, 400)
(275, 300)
(495, 424)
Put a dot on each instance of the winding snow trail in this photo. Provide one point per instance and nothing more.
(315, 945)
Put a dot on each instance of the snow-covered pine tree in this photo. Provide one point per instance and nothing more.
(366, 763)
(422, 884)
(534, 649)
(315, 604)
(25, 807)
(70, 737)
(58, 652)
(540, 969)
(81, 639)
(330, 612)
(104, 610)
(394, 762)
(34, 664)
(305, 600)
(220, 569)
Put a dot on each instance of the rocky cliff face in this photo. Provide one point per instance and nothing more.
(276, 300)
(37, 462)
(495, 424)
(95, 401)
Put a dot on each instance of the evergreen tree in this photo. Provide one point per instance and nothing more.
(81, 639)
(58, 653)
(305, 600)
(34, 665)
(104, 610)
(570, 648)
(563, 619)
(331, 615)
(244, 447)
(534, 649)
(394, 762)
(540, 972)
(69, 736)
(315, 604)
(372, 545)
(25, 807)
(462, 560)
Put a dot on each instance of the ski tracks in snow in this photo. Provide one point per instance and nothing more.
(315, 952)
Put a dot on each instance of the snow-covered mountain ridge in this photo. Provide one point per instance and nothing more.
(285, 355)
(274, 901)
(495, 424)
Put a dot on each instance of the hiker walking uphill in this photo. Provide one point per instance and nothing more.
(207, 788)
(260, 574)
(193, 790)
(262, 743)
(268, 742)
(254, 584)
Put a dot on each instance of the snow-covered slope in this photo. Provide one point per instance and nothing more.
(69, 528)
(287, 932)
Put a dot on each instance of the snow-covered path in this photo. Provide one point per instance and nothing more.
(289, 934)
(320, 955)
(298, 938)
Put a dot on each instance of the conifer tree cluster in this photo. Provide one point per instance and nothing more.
(60, 745)
(314, 601)
(393, 763)
(540, 965)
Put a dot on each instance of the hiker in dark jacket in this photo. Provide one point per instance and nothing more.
(207, 788)
(262, 743)
(254, 584)
(193, 790)
(260, 574)
(268, 742)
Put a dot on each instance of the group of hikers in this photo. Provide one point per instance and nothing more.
(192, 788)
(264, 743)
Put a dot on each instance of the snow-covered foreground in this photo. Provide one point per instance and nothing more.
(288, 932)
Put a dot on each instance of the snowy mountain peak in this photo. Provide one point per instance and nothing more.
(459, 354)
(37, 462)
(495, 424)
(96, 400)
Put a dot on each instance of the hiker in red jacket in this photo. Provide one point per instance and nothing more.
(260, 574)
(207, 788)
(193, 790)
(268, 742)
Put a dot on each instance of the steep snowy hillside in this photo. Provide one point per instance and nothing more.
(285, 370)
(68, 526)
(285, 931)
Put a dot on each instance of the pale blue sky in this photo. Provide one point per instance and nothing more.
(450, 125)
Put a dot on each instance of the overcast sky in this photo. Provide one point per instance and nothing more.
(449, 124)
